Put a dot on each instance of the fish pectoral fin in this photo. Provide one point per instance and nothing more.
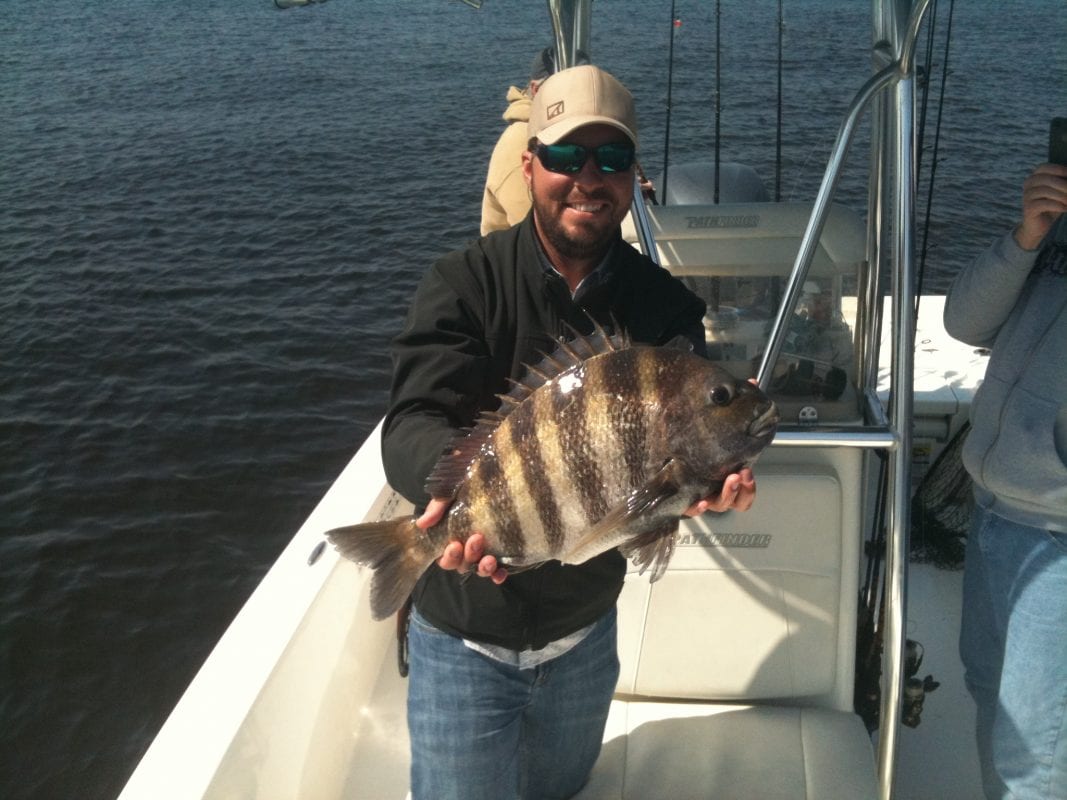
(618, 528)
(653, 548)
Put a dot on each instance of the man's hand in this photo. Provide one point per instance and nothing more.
(737, 494)
(461, 556)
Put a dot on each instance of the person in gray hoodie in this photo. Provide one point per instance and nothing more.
(1013, 639)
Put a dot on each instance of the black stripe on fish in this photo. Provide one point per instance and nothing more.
(535, 476)
(628, 420)
(495, 491)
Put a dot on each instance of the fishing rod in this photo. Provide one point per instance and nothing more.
(933, 158)
(670, 82)
(778, 136)
(718, 92)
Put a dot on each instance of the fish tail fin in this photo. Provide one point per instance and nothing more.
(395, 549)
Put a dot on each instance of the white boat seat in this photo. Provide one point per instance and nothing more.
(737, 665)
(690, 751)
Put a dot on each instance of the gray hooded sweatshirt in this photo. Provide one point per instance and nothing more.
(1015, 302)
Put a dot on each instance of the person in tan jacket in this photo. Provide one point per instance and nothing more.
(506, 200)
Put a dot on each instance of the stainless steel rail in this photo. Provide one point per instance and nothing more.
(571, 22)
(901, 392)
(869, 438)
(643, 224)
(821, 210)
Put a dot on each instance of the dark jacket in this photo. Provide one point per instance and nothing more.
(478, 317)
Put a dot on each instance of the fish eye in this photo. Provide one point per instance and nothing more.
(721, 395)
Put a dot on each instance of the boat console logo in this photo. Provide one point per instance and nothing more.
(724, 221)
(554, 110)
(724, 540)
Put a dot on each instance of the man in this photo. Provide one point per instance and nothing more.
(1014, 629)
(511, 678)
(506, 199)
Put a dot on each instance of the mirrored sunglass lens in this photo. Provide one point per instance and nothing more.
(562, 157)
(614, 157)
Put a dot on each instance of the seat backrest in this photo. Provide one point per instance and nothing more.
(758, 605)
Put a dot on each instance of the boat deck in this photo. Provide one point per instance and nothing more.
(937, 760)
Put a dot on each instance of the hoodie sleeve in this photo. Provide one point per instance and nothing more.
(983, 295)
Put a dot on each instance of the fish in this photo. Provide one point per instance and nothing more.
(605, 443)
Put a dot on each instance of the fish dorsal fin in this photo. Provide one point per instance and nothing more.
(571, 351)
(451, 468)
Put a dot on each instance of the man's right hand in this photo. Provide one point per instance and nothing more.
(461, 556)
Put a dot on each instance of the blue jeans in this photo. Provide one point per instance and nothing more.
(1013, 643)
(483, 730)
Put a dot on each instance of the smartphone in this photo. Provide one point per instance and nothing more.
(1057, 141)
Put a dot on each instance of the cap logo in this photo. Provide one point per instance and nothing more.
(554, 110)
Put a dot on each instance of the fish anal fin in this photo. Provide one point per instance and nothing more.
(653, 548)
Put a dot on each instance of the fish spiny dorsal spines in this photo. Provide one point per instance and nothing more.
(555, 362)
(490, 418)
(598, 329)
(585, 346)
(565, 349)
(520, 390)
(509, 401)
(544, 375)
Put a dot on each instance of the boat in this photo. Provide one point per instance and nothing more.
(780, 653)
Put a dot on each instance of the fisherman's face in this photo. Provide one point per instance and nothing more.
(577, 214)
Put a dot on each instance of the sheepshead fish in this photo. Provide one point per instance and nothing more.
(604, 444)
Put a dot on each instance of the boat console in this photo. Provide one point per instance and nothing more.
(737, 256)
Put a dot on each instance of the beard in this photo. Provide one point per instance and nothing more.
(579, 243)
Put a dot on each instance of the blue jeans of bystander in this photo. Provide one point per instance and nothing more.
(484, 730)
(1014, 648)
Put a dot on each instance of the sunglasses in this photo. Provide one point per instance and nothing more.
(570, 158)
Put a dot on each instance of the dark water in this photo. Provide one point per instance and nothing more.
(211, 218)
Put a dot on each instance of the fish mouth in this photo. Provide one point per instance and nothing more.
(766, 424)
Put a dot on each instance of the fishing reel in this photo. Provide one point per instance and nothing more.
(915, 689)
(867, 699)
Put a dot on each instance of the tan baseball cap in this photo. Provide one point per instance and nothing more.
(579, 96)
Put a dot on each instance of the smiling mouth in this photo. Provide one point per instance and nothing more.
(588, 208)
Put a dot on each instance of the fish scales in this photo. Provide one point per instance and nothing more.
(549, 486)
(576, 431)
(492, 501)
(604, 445)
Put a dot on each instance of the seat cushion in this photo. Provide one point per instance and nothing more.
(687, 751)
